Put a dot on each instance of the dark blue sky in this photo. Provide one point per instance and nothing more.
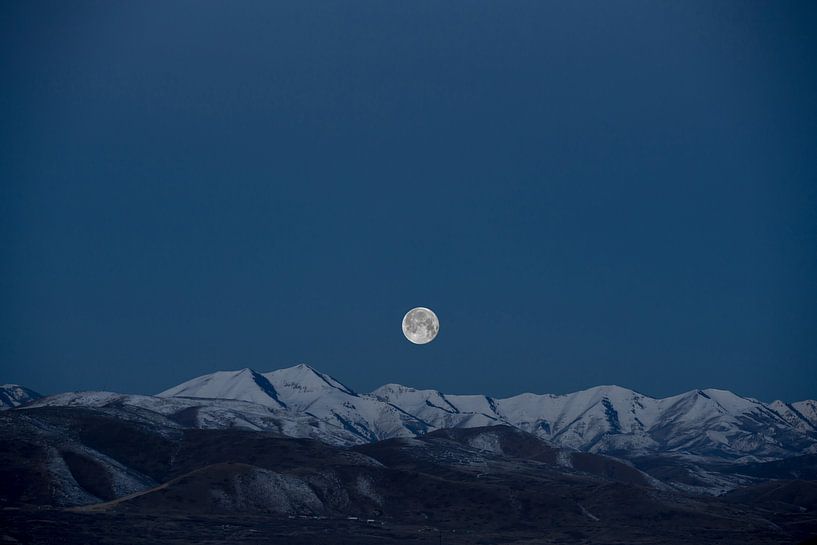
(584, 192)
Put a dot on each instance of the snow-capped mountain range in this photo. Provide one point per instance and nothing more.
(300, 401)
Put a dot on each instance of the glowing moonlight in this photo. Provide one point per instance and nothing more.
(420, 325)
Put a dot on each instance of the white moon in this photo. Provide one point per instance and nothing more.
(420, 325)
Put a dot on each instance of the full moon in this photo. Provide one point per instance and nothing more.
(420, 325)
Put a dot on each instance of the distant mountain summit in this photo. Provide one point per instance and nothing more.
(304, 380)
(14, 395)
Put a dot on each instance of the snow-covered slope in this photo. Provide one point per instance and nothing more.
(14, 395)
(808, 410)
(204, 413)
(802, 415)
(244, 385)
(435, 408)
(304, 391)
(301, 382)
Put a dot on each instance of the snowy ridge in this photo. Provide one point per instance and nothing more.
(613, 419)
(301, 401)
(304, 391)
(203, 413)
(307, 390)
(610, 419)
(802, 415)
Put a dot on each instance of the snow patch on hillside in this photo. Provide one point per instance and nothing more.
(487, 441)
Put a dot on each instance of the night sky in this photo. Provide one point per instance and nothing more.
(585, 192)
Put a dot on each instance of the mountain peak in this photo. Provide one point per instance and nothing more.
(391, 388)
(14, 395)
(611, 389)
(305, 378)
(244, 384)
(726, 400)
